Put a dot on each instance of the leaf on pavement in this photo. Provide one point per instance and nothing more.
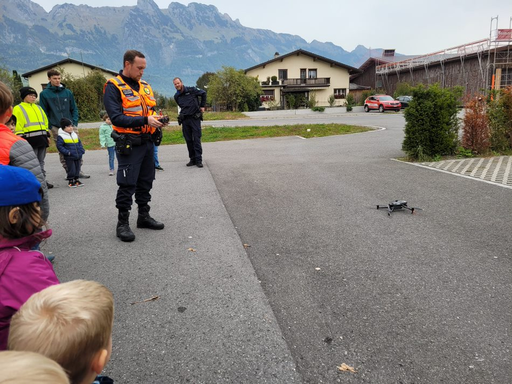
(146, 300)
(246, 246)
(346, 368)
(191, 250)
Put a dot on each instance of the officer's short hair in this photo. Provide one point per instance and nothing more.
(131, 54)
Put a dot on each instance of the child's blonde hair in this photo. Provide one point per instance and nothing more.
(68, 323)
(30, 368)
(6, 98)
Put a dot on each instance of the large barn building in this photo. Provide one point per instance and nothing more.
(481, 65)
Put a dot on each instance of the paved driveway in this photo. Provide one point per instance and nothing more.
(323, 279)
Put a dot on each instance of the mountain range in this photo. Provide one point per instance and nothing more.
(184, 41)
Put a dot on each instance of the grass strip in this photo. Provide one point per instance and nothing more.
(172, 135)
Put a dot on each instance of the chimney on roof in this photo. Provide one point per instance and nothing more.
(388, 53)
(276, 54)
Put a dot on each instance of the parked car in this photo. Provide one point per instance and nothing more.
(381, 103)
(404, 100)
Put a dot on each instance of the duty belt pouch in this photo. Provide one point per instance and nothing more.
(198, 116)
(180, 119)
(156, 137)
(124, 145)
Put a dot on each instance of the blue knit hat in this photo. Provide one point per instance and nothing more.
(18, 186)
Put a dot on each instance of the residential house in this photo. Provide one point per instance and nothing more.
(301, 75)
(38, 78)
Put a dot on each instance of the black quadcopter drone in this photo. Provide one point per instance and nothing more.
(396, 206)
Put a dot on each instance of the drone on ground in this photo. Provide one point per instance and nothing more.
(397, 205)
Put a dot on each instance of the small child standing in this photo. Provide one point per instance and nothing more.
(106, 140)
(23, 271)
(69, 144)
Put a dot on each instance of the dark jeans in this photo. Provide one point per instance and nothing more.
(73, 168)
(135, 175)
(192, 133)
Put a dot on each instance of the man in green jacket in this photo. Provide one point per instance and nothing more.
(58, 102)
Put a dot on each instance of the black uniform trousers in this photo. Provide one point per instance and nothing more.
(191, 128)
(135, 175)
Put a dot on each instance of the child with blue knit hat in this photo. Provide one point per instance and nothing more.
(23, 271)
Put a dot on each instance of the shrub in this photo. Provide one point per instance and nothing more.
(500, 121)
(290, 100)
(350, 102)
(331, 100)
(476, 133)
(318, 109)
(88, 93)
(366, 94)
(312, 100)
(403, 89)
(431, 122)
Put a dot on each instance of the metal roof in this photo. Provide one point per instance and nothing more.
(67, 60)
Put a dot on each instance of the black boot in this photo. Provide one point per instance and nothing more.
(146, 221)
(123, 227)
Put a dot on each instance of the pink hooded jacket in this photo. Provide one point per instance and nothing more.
(22, 273)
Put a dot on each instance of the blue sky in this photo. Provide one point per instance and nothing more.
(411, 27)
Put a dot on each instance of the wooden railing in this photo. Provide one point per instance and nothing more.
(319, 81)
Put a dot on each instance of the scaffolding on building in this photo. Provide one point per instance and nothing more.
(502, 58)
(494, 73)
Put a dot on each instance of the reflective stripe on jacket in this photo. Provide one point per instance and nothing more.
(30, 120)
(135, 103)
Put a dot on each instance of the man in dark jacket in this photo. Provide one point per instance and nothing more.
(57, 101)
(191, 101)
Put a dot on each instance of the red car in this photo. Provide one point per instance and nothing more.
(382, 103)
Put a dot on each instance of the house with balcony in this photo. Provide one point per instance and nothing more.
(299, 76)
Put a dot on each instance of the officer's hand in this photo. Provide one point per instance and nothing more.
(202, 109)
(153, 121)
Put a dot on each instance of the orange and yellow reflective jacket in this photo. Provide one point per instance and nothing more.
(140, 103)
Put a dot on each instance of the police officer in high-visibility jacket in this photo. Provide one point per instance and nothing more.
(130, 104)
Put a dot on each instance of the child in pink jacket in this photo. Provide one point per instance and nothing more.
(23, 271)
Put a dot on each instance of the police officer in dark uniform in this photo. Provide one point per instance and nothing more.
(130, 104)
(191, 101)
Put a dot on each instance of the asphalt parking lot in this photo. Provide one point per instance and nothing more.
(275, 266)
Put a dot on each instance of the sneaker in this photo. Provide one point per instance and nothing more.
(111, 173)
(191, 163)
(72, 184)
(199, 164)
(84, 176)
(49, 185)
(50, 258)
(78, 183)
(159, 168)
